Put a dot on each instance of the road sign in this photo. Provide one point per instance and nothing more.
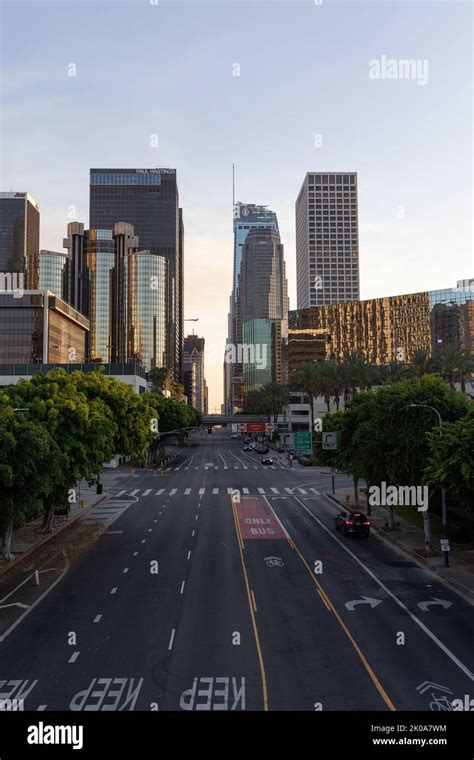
(444, 544)
(331, 441)
(255, 427)
(287, 441)
(303, 440)
(269, 427)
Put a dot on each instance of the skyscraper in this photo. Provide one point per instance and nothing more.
(19, 236)
(194, 377)
(53, 268)
(247, 216)
(327, 239)
(261, 309)
(148, 199)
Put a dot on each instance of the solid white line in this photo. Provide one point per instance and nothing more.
(145, 493)
(73, 657)
(215, 491)
(125, 570)
(225, 463)
(278, 519)
(97, 618)
(392, 595)
(187, 491)
(158, 493)
(182, 587)
(170, 645)
(114, 590)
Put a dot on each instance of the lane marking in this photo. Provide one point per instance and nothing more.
(182, 587)
(253, 601)
(275, 490)
(192, 534)
(73, 657)
(252, 615)
(189, 554)
(159, 492)
(261, 490)
(41, 708)
(134, 493)
(187, 491)
(135, 554)
(196, 517)
(215, 491)
(145, 493)
(125, 570)
(97, 618)
(150, 530)
(173, 491)
(202, 491)
(114, 590)
(119, 494)
(398, 601)
(143, 540)
(245, 491)
(170, 645)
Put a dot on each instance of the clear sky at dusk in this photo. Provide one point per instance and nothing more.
(166, 69)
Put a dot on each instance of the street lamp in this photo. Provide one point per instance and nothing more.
(443, 491)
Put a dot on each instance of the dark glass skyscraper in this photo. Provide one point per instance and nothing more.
(148, 199)
(19, 235)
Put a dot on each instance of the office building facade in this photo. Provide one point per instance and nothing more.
(19, 237)
(148, 199)
(327, 239)
(194, 376)
(247, 217)
(383, 329)
(41, 328)
(53, 272)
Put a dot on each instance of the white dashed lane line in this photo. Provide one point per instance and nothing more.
(73, 657)
(114, 590)
(170, 645)
(97, 618)
(182, 587)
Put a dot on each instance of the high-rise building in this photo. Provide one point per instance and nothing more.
(148, 199)
(247, 216)
(383, 329)
(99, 260)
(261, 308)
(194, 377)
(41, 328)
(53, 269)
(327, 239)
(144, 280)
(19, 236)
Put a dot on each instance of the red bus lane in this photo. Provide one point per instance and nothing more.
(257, 519)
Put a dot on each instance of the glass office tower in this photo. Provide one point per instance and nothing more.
(148, 199)
(19, 235)
(99, 258)
(53, 269)
(144, 287)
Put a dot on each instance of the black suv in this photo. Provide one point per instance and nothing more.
(262, 449)
(352, 522)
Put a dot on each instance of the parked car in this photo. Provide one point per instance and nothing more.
(352, 522)
(267, 460)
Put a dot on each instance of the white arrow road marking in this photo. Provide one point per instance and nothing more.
(422, 687)
(395, 598)
(436, 602)
(365, 600)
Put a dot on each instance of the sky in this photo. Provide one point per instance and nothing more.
(277, 88)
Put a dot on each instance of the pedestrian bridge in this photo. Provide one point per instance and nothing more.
(223, 419)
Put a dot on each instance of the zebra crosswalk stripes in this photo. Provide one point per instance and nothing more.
(121, 496)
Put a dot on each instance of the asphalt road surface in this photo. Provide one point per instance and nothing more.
(222, 585)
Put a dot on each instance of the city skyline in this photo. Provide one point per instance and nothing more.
(412, 206)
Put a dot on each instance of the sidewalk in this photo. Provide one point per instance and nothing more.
(408, 537)
(28, 538)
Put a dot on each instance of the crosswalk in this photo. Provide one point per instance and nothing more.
(216, 491)
(110, 510)
(230, 466)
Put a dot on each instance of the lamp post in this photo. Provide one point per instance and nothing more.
(443, 491)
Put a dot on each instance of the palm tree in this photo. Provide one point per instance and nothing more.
(358, 373)
(332, 381)
(420, 363)
(308, 379)
(393, 372)
(454, 363)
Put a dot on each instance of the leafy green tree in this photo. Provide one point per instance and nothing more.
(159, 378)
(420, 363)
(453, 364)
(451, 460)
(28, 472)
(393, 372)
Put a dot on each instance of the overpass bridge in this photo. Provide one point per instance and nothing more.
(223, 419)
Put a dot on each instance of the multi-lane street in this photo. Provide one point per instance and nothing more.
(222, 585)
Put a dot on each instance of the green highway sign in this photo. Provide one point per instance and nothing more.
(303, 440)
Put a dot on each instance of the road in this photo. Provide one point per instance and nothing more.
(222, 585)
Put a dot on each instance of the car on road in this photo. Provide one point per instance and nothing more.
(267, 460)
(352, 522)
(262, 449)
(247, 448)
(254, 445)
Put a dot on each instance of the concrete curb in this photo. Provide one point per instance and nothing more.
(39, 544)
(452, 584)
